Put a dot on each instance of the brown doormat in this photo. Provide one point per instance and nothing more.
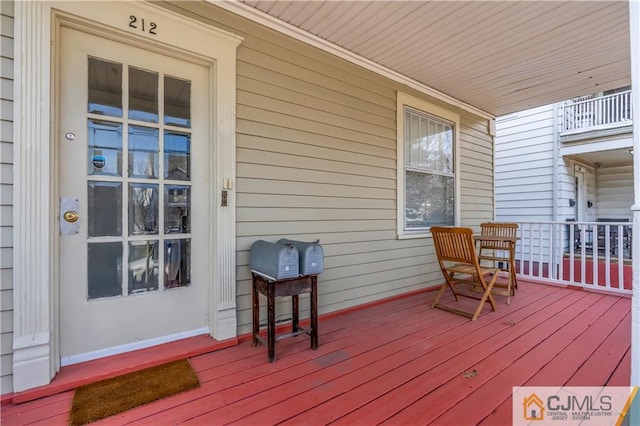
(108, 397)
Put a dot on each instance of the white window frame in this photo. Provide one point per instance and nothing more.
(405, 100)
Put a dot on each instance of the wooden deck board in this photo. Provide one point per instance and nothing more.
(502, 414)
(399, 362)
(249, 384)
(377, 366)
(314, 369)
(620, 376)
(423, 404)
(554, 361)
(435, 365)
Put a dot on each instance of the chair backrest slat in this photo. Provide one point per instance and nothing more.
(454, 244)
(498, 230)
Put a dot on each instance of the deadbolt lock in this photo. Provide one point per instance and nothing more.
(71, 216)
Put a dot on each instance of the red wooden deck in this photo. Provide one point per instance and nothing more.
(399, 362)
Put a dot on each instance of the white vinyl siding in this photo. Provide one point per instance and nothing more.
(615, 192)
(6, 196)
(524, 166)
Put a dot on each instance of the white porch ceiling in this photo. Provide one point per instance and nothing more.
(498, 56)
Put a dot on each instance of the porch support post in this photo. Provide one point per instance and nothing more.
(634, 30)
(32, 314)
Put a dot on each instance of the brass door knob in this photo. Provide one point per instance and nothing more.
(71, 216)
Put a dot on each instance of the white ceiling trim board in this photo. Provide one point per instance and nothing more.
(262, 18)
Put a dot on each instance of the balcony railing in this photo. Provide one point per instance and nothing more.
(595, 255)
(597, 113)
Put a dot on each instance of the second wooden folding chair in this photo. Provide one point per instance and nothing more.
(500, 253)
(456, 253)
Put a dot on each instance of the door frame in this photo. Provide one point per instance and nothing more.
(36, 356)
(580, 193)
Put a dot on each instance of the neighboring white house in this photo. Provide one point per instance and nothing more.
(568, 161)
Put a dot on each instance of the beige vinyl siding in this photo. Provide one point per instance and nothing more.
(6, 197)
(476, 171)
(316, 159)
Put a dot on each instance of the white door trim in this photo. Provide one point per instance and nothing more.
(36, 355)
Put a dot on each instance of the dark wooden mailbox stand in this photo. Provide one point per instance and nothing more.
(279, 288)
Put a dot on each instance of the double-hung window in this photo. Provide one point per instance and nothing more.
(427, 137)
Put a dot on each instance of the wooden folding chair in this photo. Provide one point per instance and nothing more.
(456, 253)
(500, 253)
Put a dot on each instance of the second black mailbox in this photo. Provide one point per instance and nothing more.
(310, 256)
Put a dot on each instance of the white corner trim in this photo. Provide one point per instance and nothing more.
(276, 24)
(32, 262)
(634, 35)
(31, 361)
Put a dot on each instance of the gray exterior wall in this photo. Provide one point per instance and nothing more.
(6, 196)
(316, 159)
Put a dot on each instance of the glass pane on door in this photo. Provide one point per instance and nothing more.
(104, 269)
(177, 209)
(177, 156)
(105, 88)
(143, 209)
(143, 152)
(104, 141)
(133, 215)
(104, 209)
(143, 95)
(143, 266)
(177, 102)
(177, 255)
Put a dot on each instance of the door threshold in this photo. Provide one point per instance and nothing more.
(73, 376)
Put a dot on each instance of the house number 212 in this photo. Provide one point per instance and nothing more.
(136, 23)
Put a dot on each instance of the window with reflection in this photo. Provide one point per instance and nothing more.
(143, 95)
(140, 121)
(143, 208)
(177, 261)
(104, 140)
(143, 266)
(143, 152)
(105, 88)
(428, 171)
(177, 156)
(177, 102)
(177, 209)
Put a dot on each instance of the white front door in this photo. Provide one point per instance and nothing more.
(134, 160)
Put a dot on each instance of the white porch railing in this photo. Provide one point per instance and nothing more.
(597, 113)
(595, 255)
